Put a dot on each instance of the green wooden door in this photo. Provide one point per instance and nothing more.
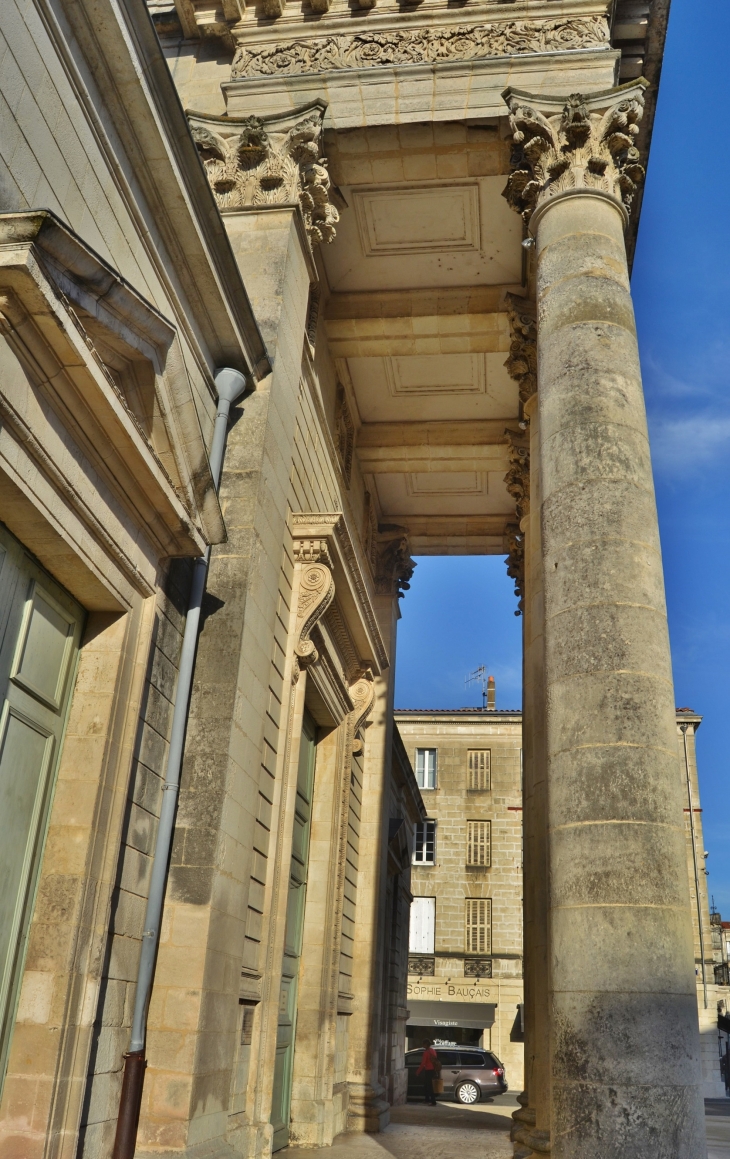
(40, 627)
(286, 1028)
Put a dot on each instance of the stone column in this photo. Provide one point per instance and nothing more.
(369, 1109)
(531, 1133)
(624, 1040)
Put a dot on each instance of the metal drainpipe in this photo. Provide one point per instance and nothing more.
(230, 385)
(684, 728)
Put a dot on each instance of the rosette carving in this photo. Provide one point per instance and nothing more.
(254, 161)
(589, 143)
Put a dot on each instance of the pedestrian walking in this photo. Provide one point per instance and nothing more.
(430, 1068)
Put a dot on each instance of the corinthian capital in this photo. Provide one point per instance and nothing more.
(584, 141)
(270, 160)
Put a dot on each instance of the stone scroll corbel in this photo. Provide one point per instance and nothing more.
(362, 694)
(316, 593)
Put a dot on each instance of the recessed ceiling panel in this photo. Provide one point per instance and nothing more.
(443, 493)
(431, 483)
(423, 235)
(417, 221)
(420, 387)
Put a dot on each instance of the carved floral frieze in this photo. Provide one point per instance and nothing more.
(588, 144)
(260, 161)
(419, 46)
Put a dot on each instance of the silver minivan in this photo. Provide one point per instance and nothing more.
(468, 1074)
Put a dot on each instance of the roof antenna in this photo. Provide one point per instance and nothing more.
(489, 688)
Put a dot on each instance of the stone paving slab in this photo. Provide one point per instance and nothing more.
(718, 1136)
(420, 1132)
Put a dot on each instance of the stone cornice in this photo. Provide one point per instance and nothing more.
(403, 45)
(141, 105)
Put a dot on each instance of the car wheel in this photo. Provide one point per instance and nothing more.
(467, 1093)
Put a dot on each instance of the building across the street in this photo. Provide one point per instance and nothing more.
(465, 951)
(465, 961)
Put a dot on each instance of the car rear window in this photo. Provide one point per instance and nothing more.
(471, 1058)
(448, 1057)
(413, 1058)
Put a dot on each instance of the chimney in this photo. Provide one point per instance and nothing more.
(491, 694)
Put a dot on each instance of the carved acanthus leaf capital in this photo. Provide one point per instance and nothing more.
(316, 593)
(517, 478)
(362, 694)
(576, 142)
(258, 161)
(522, 362)
(514, 547)
(393, 564)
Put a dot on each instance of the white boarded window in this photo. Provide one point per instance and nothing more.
(478, 925)
(424, 851)
(479, 843)
(479, 769)
(426, 768)
(423, 925)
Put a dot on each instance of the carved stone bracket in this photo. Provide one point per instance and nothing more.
(418, 45)
(316, 593)
(576, 142)
(393, 564)
(518, 475)
(270, 160)
(362, 694)
(514, 547)
(522, 362)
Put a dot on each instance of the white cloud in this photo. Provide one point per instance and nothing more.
(684, 444)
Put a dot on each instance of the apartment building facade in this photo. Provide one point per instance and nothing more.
(465, 951)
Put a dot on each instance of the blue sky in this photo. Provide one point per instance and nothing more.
(459, 612)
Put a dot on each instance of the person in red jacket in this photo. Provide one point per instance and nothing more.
(430, 1069)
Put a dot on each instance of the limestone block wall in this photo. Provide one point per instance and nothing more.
(112, 1023)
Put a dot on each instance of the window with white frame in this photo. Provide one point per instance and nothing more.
(424, 847)
(478, 932)
(426, 768)
(422, 933)
(479, 769)
(479, 843)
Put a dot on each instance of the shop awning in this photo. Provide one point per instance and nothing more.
(470, 1015)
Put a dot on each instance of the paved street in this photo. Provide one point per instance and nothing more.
(481, 1132)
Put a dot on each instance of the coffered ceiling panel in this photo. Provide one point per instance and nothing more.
(418, 221)
(421, 387)
(443, 493)
(425, 234)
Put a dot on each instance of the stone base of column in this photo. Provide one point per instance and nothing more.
(367, 1110)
